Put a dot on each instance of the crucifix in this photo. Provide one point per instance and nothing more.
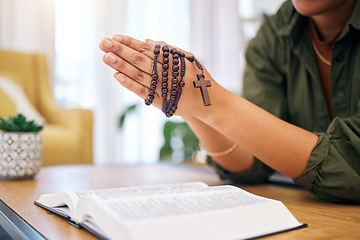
(203, 84)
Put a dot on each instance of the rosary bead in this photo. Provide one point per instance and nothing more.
(153, 82)
(166, 54)
(173, 51)
(174, 86)
(164, 79)
(176, 67)
(175, 61)
(181, 54)
(175, 80)
(156, 50)
(182, 84)
(169, 115)
(174, 108)
(164, 95)
(165, 48)
(165, 66)
(173, 92)
(164, 84)
(164, 90)
(172, 97)
(171, 112)
(147, 101)
(151, 92)
(175, 74)
(152, 86)
(166, 60)
(150, 97)
(176, 56)
(155, 76)
(165, 74)
(191, 58)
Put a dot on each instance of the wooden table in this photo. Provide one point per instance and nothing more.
(325, 220)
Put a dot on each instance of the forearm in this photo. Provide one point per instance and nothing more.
(282, 146)
(238, 160)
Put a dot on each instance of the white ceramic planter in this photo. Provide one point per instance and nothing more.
(20, 155)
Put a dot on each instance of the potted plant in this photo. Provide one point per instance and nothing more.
(20, 148)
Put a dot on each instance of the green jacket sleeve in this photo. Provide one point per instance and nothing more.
(258, 173)
(333, 169)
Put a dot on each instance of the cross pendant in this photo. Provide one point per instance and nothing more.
(203, 84)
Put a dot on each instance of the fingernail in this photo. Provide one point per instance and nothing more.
(118, 38)
(111, 58)
(107, 43)
(120, 78)
(149, 41)
(116, 74)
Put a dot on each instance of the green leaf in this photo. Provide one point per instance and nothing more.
(19, 123)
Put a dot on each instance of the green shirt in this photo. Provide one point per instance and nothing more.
(281, 76)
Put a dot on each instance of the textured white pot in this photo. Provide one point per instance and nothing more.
(20, 155)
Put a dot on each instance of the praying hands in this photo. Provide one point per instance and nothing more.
(152, 74)
(229, 119)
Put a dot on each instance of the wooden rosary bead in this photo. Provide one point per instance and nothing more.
(165, 48)
(153, 82)
(175, 61)
(164, 84)
(175, 74)
(148, 102)
(157, 50)
(176, 56)
(182, 84)
(176, 68)
(181, 54)
(175, 80)
(165, 74)
(164, 79)
(165, 60)
(173, 51)
(172, 97)
(174, 85)
(150, 97)
(154, 76)
(164, 90)
(166, 54)
(164, 95)
(191, 58)
(152, 87)
(165, 66)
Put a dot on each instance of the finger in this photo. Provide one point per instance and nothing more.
(130, 70)
(135, 58)
(139, 89)
(146, 47)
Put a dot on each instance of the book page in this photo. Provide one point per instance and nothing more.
(181, 203)
(142, 190)
(66, 202)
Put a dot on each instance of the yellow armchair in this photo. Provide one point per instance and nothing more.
(67, 134)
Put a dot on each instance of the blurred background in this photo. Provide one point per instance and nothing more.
(68, 32)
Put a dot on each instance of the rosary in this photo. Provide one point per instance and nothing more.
(169, 106)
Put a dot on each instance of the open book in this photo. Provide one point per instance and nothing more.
(172, 211)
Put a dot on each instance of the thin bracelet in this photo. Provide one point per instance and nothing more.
(218, 154)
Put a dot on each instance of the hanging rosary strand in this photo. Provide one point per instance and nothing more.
(154, 76)
(178, 69)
